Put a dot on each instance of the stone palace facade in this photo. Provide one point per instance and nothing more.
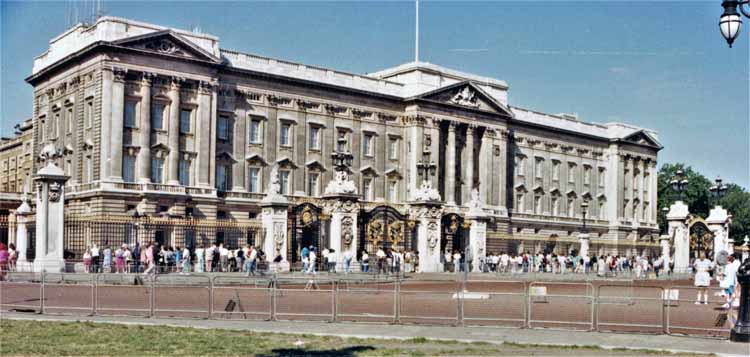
(157, 121)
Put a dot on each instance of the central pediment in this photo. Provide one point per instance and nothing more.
(466, 95)
(167, 43)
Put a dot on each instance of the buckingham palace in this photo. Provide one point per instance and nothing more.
(164, 123)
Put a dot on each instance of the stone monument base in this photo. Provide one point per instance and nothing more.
(49, 265)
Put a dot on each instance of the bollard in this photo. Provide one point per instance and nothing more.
(741, 330)
(397, 302)
(210, 296)
(152, 297)
(93, 295)
(334, 294)
(272, 296)
(41, 293)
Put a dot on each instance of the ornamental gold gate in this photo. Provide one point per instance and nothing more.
(701, 239)
(305, 230)
(454, 234)
(385, 228)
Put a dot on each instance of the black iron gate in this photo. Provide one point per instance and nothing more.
(305, 230)
(385, 228)
(701, 241)
(454, 235)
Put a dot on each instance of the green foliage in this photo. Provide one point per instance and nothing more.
(699, 199)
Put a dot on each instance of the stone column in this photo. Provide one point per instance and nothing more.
(485, 157)
(718, 221)
(450, 168)
(106, 123)
(50, 199)
(204, 134)
(144, 130)
(174, 131)
(678, 229)
(238, 141)
(22, 234)
(428, 215)
(343, 238)
(274, 218)
(469, 167)
(118, 116)
(477, 237)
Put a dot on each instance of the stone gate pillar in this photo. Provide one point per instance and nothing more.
(718, 223)
(22, 234)
(584, 239)
(664, 242)
(343, 212)
(477, 231)
(50, 205)
(678, 230)
(274, 218)
(428, 216)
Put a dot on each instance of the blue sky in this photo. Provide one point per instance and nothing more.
(661, 65)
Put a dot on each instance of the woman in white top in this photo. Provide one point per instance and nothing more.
(702, 279)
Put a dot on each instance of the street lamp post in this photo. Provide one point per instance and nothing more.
(666, 226)
(718, 190)
(730, 21)
(342, 160)
(679, 183)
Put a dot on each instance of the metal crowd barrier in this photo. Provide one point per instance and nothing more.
(619, 306)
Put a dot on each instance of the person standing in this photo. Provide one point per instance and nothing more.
(200, 255)
(119, 261)
(252, 260)
(305, 253)
(365, 262)
(12, 257)
(456, 261)
(347, 261)
(95, 257)
(87, 260)
(107, 259)
(150, 264)
(185, 261)
(702, 279)
(729, 279)
(223, 258)
(313, 258)
(210, 257)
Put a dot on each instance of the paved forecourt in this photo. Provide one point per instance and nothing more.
(438, 299)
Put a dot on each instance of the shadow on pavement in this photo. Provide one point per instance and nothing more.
(348, 351)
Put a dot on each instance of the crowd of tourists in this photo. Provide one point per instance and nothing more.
(601, 265)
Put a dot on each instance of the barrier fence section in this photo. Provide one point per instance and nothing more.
(612, 306)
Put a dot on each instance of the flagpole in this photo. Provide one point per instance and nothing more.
(416, 34)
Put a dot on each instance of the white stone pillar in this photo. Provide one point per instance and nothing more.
(174, 131)
(428, 215)
(477, 237)
(50, 200)
(118, 114)
(22, 235)
(664, 241)
(717, 222)
(678, 213)
(343, 238)
(450, 169)
(274, 219)
(205, 134)
(485, 176)
(106, 123)
(144, 130)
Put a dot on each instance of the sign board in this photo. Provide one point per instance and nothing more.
(538, 293)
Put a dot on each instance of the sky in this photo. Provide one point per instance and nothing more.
(660, 65)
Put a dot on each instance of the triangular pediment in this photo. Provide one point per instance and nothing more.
(641, 137)
(466, 95)
(315, 165)
(168, 43)
(225, 156)
(256, 159)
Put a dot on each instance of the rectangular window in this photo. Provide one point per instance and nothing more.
(130, 110)
(571, 173)
(393, 191)
(368, 144)
(538, 204)
(157, 116)
(157, 170)
(185, 119)
(342, 143)
(601, 177)
(586, 175)
(184, 173)
(312, 184)
(69, 121)
(646, 183)
(285, 135)
(571, 207)
(393, 149)
(128, 168)
(538, 164)
(88, 169)
(520, 166)
(254, 180)
(56, 126)
(88, 114)
(519, 202)
(254, 137)
(222, 177)
(556, 170)
(555, 206)
(602, 211)
(223, 128)
(284, 181)
(314, 138)
(367, 188)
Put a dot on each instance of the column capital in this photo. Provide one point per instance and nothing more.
(206, 87)
(452, 124)
(175, 82)
(119, 74)
(147, 78)
(470, 128)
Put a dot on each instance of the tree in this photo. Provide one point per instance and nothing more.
(698, 198)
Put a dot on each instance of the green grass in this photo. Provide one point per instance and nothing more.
(87, 338)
